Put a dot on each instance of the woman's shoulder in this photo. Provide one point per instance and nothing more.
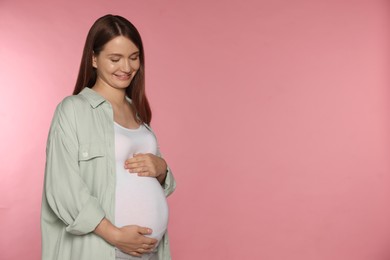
(71, 111)
(71, 107)
(70, 103)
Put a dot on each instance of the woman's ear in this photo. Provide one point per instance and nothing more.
(94, 63)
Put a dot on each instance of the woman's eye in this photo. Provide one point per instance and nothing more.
(134, 58)
(114, 60)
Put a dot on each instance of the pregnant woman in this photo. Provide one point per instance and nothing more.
(105, 181)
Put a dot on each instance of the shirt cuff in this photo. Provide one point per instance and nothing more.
(169, 184)
(88, 218)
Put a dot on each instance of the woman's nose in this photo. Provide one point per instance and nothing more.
(126, 66)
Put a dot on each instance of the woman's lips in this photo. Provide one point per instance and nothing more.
(123, 77)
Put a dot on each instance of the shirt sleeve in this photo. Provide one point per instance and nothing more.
(66, 192)
(169, 184)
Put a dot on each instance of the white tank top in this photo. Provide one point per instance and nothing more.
(139, 200)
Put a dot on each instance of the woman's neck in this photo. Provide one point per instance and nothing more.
(116, 97)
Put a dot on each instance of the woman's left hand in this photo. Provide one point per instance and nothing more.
(148, 165)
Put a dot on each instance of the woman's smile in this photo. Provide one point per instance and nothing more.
(123, 77)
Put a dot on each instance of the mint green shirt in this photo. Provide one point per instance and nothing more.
(79, 188)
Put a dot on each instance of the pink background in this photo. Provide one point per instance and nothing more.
(274, 116)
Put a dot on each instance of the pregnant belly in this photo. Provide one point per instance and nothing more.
(140, 201)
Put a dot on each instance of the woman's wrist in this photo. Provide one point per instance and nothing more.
(162, 176)
(107, 231)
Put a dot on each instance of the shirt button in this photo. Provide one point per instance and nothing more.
(85, 154)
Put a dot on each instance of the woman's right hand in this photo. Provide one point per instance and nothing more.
(133, 241)
(130, 239)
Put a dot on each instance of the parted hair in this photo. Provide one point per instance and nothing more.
(102, 31)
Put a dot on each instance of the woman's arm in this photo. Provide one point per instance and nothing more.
(65, 191)
(149, 165)
(129, 239)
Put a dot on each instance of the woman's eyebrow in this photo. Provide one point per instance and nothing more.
(121, 55)
(115, 54)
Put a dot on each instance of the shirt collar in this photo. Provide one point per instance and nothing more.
(95, 99)
(92, 97)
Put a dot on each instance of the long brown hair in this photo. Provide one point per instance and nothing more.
(102, 31)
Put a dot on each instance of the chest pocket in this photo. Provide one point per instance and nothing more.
(90, 151)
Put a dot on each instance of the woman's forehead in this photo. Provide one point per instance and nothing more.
(120, 45)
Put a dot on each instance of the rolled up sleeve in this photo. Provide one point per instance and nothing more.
(66, 192)
(169, 184)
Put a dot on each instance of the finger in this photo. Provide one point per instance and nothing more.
(147, 247)
(131, 162)
(133, 165)
(144, 231)
(136, 158)
(135, 253)
(137, 167)
(140, 170)
(140, 158)
(138, 163)
(147, 240)
(143, 251)
(152, 242)
(146, 174)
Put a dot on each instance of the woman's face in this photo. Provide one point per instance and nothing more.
(117, 64)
